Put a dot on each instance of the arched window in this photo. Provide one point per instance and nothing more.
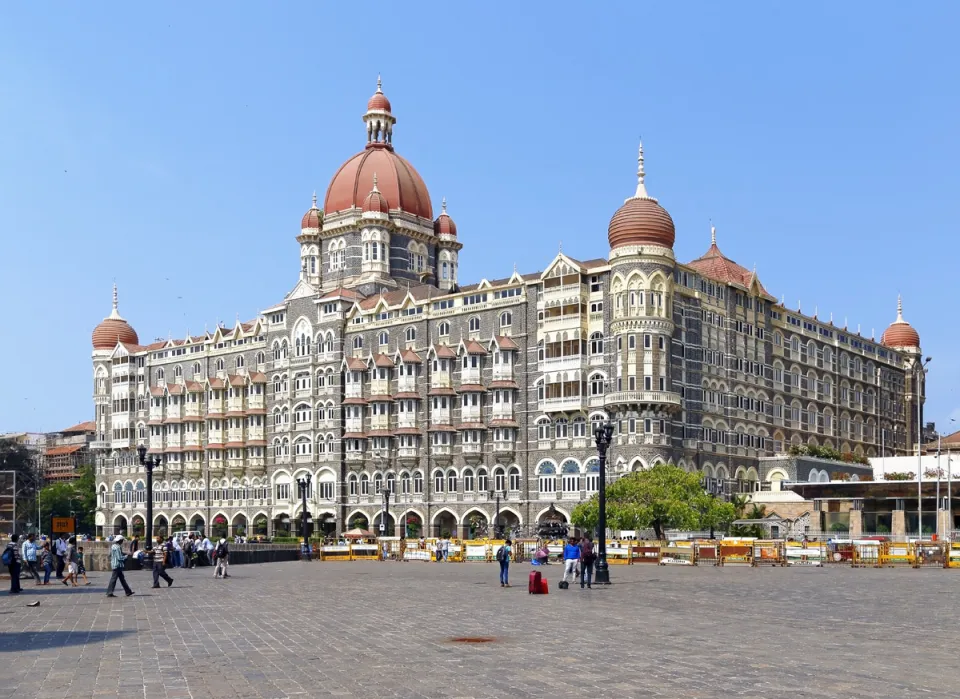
(384, 338)
(261, 358)
(160, 375)
(596, 343)
(178, 372)
(239, 362)
(220, 365)
(276, 351)
(571, 477)
(499, 479)
(358, 342)
(561, 428)
(474, 324)
(506, 319)
(482, 480)
(438, 482)
(514, 478)
(443, 330)
(468, 481)
(593, 475)
(543, 428)
(451, 481)
(547, 476)
(410, 335)
(196, 370)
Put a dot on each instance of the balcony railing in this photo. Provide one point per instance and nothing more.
(661, 397)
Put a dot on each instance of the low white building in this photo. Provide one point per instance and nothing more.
(949, 464)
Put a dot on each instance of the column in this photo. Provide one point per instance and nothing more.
(856, 519)
(898, 526)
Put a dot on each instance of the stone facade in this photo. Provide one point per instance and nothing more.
(379, 372)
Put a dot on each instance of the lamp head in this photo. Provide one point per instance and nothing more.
(142, 453)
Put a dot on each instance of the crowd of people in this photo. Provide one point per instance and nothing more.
(63, 555)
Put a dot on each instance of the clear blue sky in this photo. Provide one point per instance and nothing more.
(175, 149)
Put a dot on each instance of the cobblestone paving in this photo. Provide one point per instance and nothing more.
(384, 630)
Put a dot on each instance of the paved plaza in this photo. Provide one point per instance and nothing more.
(369, 629)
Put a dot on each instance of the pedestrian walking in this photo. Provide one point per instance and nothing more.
(161, 559)
(81, 568)
(46, 560)
(177, 552)
(71, 562)
(571, 558)
(587, 559)
(188, 552)
(504, 555)
(223, 559)
(28, 556)
(117, 559)
(11, 559)
(61, 553)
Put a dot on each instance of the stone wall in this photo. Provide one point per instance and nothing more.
(96, 554)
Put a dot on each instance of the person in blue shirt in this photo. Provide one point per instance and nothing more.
(504, 554)
(571, 558)
(29, 555)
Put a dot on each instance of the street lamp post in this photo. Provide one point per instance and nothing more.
(603, 436)
(497, 529)
(149, 464)
(385, 512)
(304, 484)
(921, 370)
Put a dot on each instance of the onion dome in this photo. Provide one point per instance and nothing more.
(900, 333)
(398, 180)
(314, 216)
(379, 101)
(113, 329)
(444, 225)
(641, 220)
(375, 202)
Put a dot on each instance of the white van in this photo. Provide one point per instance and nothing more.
(186, 535)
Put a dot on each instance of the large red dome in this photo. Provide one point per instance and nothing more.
(397, 180)
(113, 330)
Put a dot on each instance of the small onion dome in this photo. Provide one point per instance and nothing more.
(444, 225)
(641, 220)
(113, 329)
(375, 203)
(900, 333)
(379, 101)
(314, 216)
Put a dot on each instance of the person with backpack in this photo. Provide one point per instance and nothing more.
(72, 562)
(161, 559)
(587, 559)
(504, 554)
(11, 559)
(117, 559)
(571, 558)
(223, 555)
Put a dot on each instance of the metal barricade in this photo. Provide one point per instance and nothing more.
(618, 552)
(929, 554)
(840, 551)
(645, 553)
(811, 553)
(735, 555)
(952, 558)
(364, 552)
(896, 554)
(707, 553)
(335, 552)
(768, 553)
(678, 553)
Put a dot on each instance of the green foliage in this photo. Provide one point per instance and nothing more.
(739, 502)
(839, 527)
(900, 476)
(662, 497)
(16, 457)
(827, 453)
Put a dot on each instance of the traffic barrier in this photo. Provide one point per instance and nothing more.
(739, 554)
(364, 552)
(840, 551)
(707, 553)
(768, 553)
(335, 552)
(866, 553)
(678, 553)
(952, 559)
(645, 553)
(416, 554)
(811, 553)
(618, 552)
(929, 554)
(896, 554)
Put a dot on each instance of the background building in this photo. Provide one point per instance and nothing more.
(379, 372)
(66, 451)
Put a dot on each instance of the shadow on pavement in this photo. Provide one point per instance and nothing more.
(20, 641)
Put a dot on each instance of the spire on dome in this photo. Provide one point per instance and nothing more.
(314, 200)
(899, 307)
(641, 174)
(713, 234)
(443, 205)
(115, 312)
(379, 120)
(375, 174)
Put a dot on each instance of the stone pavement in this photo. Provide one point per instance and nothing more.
(370, 629)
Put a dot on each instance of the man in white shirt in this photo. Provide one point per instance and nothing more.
(177, 552)
(207, 547)
(61, 552)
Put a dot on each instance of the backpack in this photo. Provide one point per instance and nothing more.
(586, 551)
(7, 557)
(221, 550)
(502, 553)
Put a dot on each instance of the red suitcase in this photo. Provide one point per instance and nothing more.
(534, 585)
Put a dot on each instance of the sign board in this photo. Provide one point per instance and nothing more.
(382, 527)
(63, 525)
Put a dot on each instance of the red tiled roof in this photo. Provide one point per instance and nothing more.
(193, 448)
(217, 383)
(156, 390)
(61, 451)
(172, 421)
(445, 352)
(505, 343)
(256, 442)
(381, 398)
(408, 356)
(90, 426)
(356, 364)
(234, 445)
(354, 435)
(214, 445)
(407, 394)
(474, 347)
(236, 380)
(355, 401)
(172, 450)
(715, 265)
(193, 418)
(503, 423)
(155, 421)
(342, 293)
(258, 377)
(194, 387)
(441, 428)
(504, 384)
(382, 360)
(256, 411)
(471, 426)
(408, 430)
(441, 392)
(472, 388)
(174, 389)
(235, 413)
(380, 433)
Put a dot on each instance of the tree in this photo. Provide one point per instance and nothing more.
(78, 498)
(739, 502)
(18, 458)
(662, 497)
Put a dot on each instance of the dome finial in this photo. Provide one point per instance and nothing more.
(443, 205)
(314, 200)
(115, 310)
(713, 233)
(899, 308)
(375, 183)
(115, 304)
(379, 84)
(641, 174)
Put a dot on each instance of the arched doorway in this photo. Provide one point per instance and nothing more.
(196, 524)
(444, 524)
(160, 526)
(552, 524)
(281, 525)
(239, 525)
(120, 525)
(298, 525)
(476, 526)
(413, 524)
(327, 524)
(138, 526)
(358, 520)
(219, 529)
(179, 524)
(260, 525)
(509, 524)
(389, 528)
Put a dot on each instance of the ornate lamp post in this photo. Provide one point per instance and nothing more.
(385, 512)
(304, 484)
(921, 370)
(497, 530)
(603, 436)
(149, 464)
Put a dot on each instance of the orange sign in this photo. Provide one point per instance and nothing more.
(62, 525)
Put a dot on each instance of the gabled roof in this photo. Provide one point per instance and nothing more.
(444, 352)
(717, 266)
(382, 360)
(505, 343)
(217, 383)
(258, 377)
(408, 356)
(236, 380)
(194, 387)
(90, 426)
(356, 364)
(474, 347)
